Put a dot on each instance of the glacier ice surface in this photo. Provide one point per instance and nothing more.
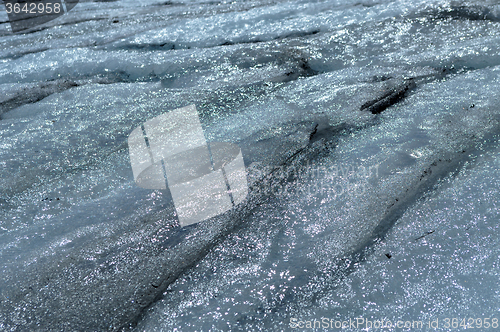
(377, 216)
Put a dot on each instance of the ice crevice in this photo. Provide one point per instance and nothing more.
(463, 12)
(34, 93)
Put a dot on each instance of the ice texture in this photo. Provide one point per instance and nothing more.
(369, 131)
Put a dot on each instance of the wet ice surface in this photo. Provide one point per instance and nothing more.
(81, 246)
(443, 251)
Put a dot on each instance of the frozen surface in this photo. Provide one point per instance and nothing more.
(350, 214)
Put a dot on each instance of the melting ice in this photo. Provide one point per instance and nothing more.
(369, 133)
